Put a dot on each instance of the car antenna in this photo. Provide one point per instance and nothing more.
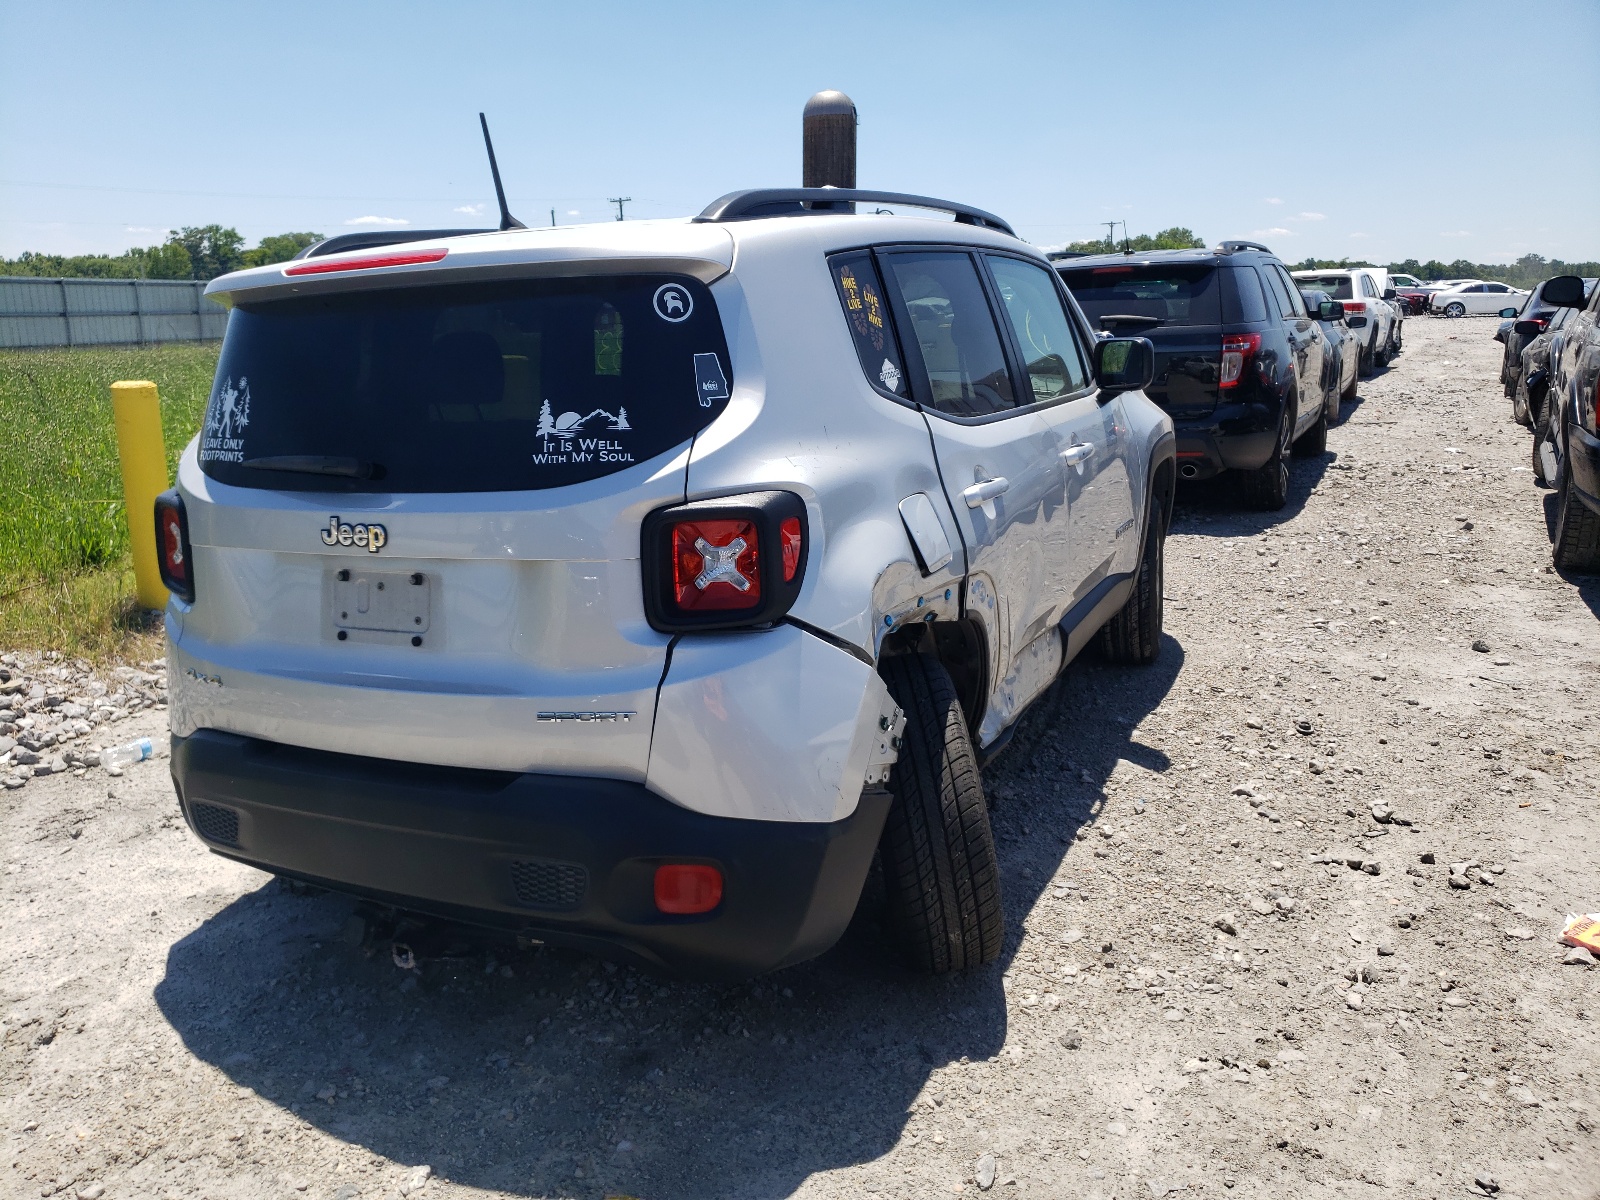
(507, 221)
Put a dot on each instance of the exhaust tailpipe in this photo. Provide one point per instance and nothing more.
(1188, 471)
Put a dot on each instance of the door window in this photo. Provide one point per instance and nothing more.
(867, 314)
(1051, 353)
(1280, 293)
(1297, 306)
(1366, 286)
(963, 365)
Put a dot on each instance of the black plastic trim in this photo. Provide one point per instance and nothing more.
(767, 511)
(795, 202)
(443, 841)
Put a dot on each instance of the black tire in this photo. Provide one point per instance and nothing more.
(1267, 487)
(1539, 409)
(1455, 309)
(1349, 394)
(940, 870)
(1397, 338)
(1380, 354)
(1314, 441)
(1576, 543)
(1133, 635)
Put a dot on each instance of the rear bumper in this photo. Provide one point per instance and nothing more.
(1234, 437)
(561, 859)
(1583, 461)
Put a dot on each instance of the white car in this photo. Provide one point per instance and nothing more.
(633, 586)
(1477, 299)
(1369, 308)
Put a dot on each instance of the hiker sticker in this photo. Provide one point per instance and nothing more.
(222, 435)
(673, 303)
(572, 438)
(709, 381)
(890, 375)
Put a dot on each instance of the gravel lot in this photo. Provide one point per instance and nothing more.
(1194, 1000)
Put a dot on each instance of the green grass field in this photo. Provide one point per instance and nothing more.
(66, 577)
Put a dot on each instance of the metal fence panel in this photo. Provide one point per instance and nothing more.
(103, 312)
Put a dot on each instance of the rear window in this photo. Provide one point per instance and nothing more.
(1337, 286)
(473, 388)
(1174, 295)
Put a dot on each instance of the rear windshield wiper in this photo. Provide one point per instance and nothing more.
(317, 464)
(1129, 319)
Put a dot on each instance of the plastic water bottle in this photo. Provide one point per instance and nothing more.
(126, 755)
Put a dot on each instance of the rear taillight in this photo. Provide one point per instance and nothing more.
(723, 564)
(1237, 351)
(172, 546)
(1354, 307)
(687, 888)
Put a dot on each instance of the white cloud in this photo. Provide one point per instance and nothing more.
(1454, 233)
(142, 229)
(377, 221)
(1360, 235)
(472, 210)
(1275, 231)
(1274, 200)
(573, 212)
(1313, 217)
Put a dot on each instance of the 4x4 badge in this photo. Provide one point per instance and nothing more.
(370, 538)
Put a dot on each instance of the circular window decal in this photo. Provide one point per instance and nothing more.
(673, 302)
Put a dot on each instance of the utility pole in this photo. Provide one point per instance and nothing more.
(619, 201)
(1124, 237)
(552, 218)
(1111, 235)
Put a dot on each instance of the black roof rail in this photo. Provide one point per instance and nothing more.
(795, 202)
(384, 237)
(1230, 247)
(1059, 255)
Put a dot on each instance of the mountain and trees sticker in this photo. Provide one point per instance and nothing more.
(222, 435)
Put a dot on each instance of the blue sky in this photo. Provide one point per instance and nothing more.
(1387, 130)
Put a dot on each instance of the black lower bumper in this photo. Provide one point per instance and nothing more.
(1233, 437)
(561, 859)
(1583, 461)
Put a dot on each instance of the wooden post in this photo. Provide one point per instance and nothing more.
(829, 138)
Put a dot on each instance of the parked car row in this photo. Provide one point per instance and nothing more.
(1475, 299)
(1551, 368)
(1251, 362)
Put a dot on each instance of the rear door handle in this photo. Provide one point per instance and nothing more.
(985, 490)
(1077, 453)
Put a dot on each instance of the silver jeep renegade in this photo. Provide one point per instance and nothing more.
(629, 586)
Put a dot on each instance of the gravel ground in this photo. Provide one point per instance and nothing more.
(1201, 995)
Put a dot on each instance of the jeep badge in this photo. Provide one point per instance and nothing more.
(371, 537)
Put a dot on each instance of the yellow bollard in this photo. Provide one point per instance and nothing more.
(137, 410)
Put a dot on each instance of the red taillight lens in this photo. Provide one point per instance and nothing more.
(173, 557)
(687, 888)
(326, 266)
(790, 532)
(1354, 307)
(1237, 351)
(716, 565)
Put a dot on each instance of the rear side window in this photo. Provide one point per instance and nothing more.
(471, 388)
(1337, 286)
(1174, 295)
(1280, 293)
(1242, 301)
(861, 293)
(966, 373)
(1050, 351)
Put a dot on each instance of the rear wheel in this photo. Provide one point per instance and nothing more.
(1577, 534)
(1380, 354)
(1133, 635)
(1539, 409)
(1314, 441)
(1267, 487)
(1455, 309)
(1349, 393)
(939, 864)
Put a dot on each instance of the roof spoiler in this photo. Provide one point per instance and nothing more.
(386, 237)
(796, 202)
(1230, 247)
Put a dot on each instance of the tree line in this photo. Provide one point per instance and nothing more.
(194, 252)
(1524, 273)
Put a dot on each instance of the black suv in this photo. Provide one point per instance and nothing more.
(1241, 366)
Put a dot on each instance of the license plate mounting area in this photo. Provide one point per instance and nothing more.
(367, 601)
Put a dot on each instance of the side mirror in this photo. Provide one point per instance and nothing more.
(1330, 310)
(1388, 293)
(1529, 329)
(1564, 291)
(1508, 312)
(1124, 364)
